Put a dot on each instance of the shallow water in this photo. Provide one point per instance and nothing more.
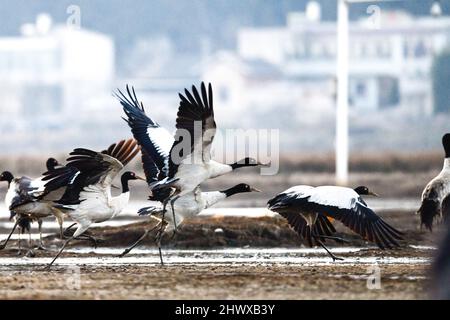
(246, 256)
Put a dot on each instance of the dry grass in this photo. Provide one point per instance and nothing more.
(385, 162)
(313, 162)
(390, 174)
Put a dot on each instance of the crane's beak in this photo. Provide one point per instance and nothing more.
(114, 187)
(373, 194)
(254, 189)
(140, 178)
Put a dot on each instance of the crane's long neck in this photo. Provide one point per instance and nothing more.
(9, 178)
(125, 187)
(446, 164)
(119, 202)
(213, 197)
(446, 145)
(217, 169)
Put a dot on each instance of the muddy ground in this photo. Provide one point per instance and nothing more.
(306, 274)
(232, 281)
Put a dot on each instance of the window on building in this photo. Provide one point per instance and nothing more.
(405, 49)
(389, 95)
(420, 50)
(383, 50)
(361, 88)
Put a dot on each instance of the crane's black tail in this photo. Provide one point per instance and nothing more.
(149, 211)
(428, 210)
(24, 224)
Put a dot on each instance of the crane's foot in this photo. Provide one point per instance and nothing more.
(30, 254)
(47, 267)
(336, 258)
(124, 253)
(173, 234)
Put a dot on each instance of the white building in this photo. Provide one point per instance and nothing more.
(54, 72)
(390, 57)
(51, 73)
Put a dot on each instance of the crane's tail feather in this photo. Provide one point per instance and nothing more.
(428, 210)
(149, 211)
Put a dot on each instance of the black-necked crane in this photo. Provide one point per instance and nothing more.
(188, 205)
(308, 209)
(27, 201)
(87, 198)
(185, 162)
(436, 190)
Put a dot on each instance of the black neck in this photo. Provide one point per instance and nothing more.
(125, 187)
(9, 180)
(447, 150)
(238, 165)
(446, 144)
(231, 191)
(235, 166)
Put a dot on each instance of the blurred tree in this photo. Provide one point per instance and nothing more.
(441, 79)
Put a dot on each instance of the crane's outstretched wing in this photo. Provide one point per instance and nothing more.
(362, 220)
(342, 204)
(283, 203)
(195, 117)
(91, 168)
(154, 140)
(322, 227)
(288, 198)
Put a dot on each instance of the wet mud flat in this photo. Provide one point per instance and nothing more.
(238, 275)
(223, 258)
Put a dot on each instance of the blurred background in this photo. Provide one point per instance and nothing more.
(272, 64)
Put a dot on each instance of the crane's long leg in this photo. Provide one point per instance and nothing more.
(68, 228)
(59, 253)
(60, 219)
(337, 239)
(326, 249)
(172, 202)
(78, 232)
(173, 197)
(158, 242)
(61, 230)
(164, 213)
(3, 245)
(20, 241)
(41, 243)
(30, 252)
(126, 251)
(158, 238)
